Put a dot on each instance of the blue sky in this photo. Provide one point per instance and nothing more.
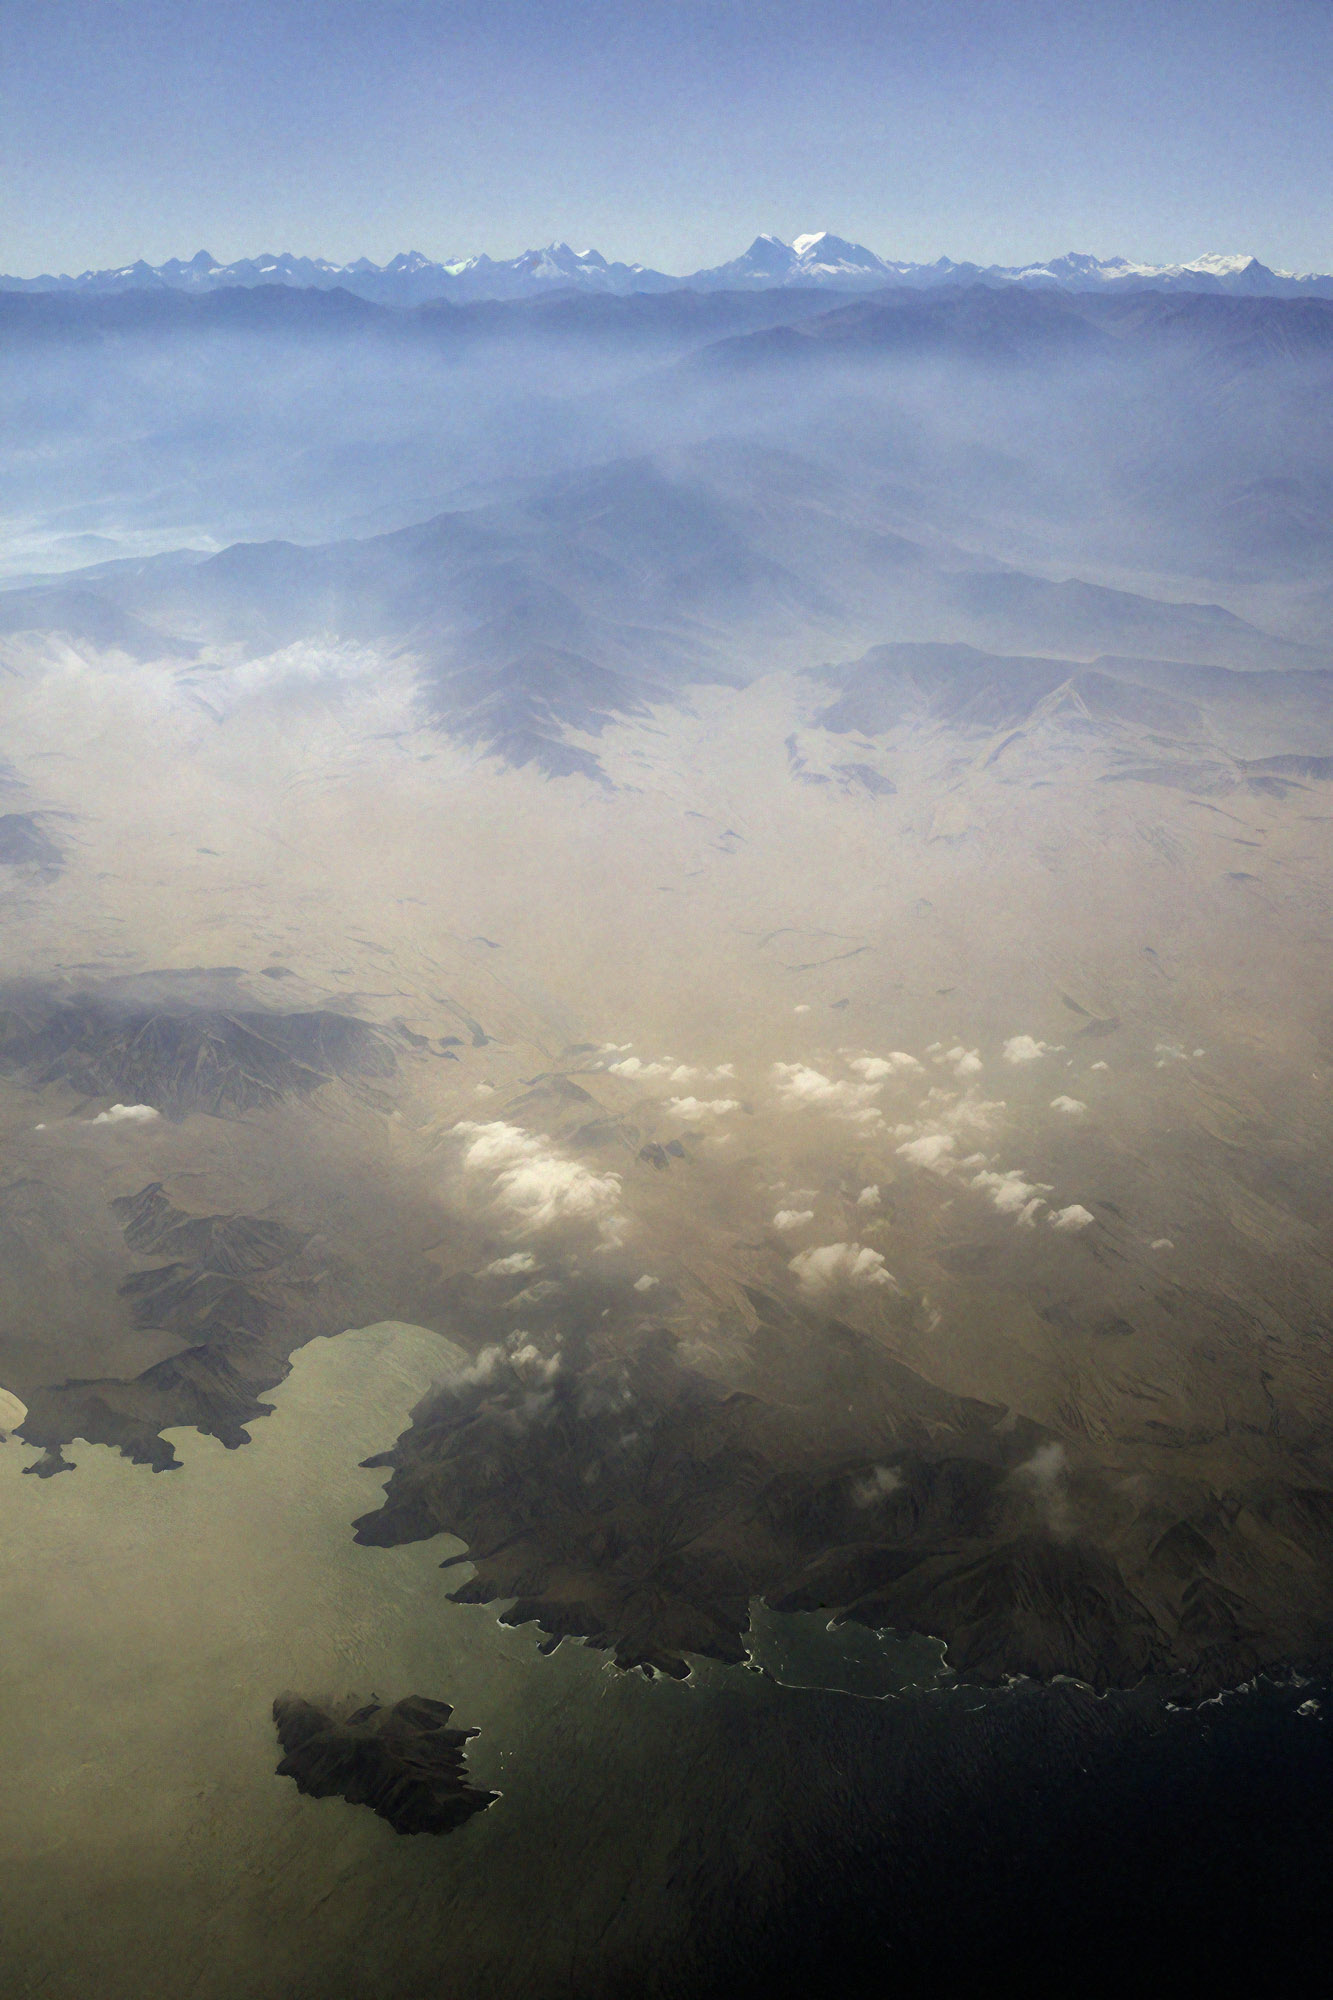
(667, 133)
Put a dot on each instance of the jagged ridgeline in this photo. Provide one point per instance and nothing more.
(620, 1497)
(240, 1291)
(221, 1297)
(27, 842)
(180, 1057)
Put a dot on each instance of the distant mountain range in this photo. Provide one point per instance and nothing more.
(816, 262)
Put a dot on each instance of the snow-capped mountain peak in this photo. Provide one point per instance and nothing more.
(817, 259)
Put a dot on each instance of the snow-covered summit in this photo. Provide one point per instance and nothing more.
(816, 259)
(820, 258)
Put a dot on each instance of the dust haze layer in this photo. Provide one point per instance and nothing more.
(758, 863)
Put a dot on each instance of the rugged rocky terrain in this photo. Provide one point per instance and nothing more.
(801, 946)
(404, 1761)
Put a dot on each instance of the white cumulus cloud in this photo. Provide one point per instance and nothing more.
(834, 1265)
(868, 1197)
(1071, 1218)
(875, 1068)
(125, 1114)
(798, 1085)
(793, 1218)
(1025, 1049)
(964, 1061)
(635, 1071)
(510, 1267)
(932, 1149)
(535, 1183)
(945, 1111)
(1073, 1107)
(1011, 1191)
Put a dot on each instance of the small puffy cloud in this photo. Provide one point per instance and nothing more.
(485, 1369)
(868, 1197)
(1047, 1464)
(798, 1085)
(125, 1114)
(1101, 1065)
(687, 1073)
(532, 1366)
(510, 1267)
(964, 1062)
(1071, 1218)
(645, 1283)
(875, 1068)
(484, 1090)
(1011, 1192)
(945, 1111)
(1025, 1049)
(932, 1150)
(12, 1412)
(875, 1485)
(834, 1265)
(1161, 1243)
(793, 1218)
(802, 1009)
(535, 1183)
(973, 1113)
(701, 1107)
(519, 1372)
(1045, 1473)
(1073, 1107)
(635, 1071)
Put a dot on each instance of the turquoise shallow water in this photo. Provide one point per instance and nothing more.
(803, 1650)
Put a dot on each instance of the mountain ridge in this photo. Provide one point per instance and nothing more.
(819, 260)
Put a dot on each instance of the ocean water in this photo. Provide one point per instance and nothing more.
(839, 1810)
